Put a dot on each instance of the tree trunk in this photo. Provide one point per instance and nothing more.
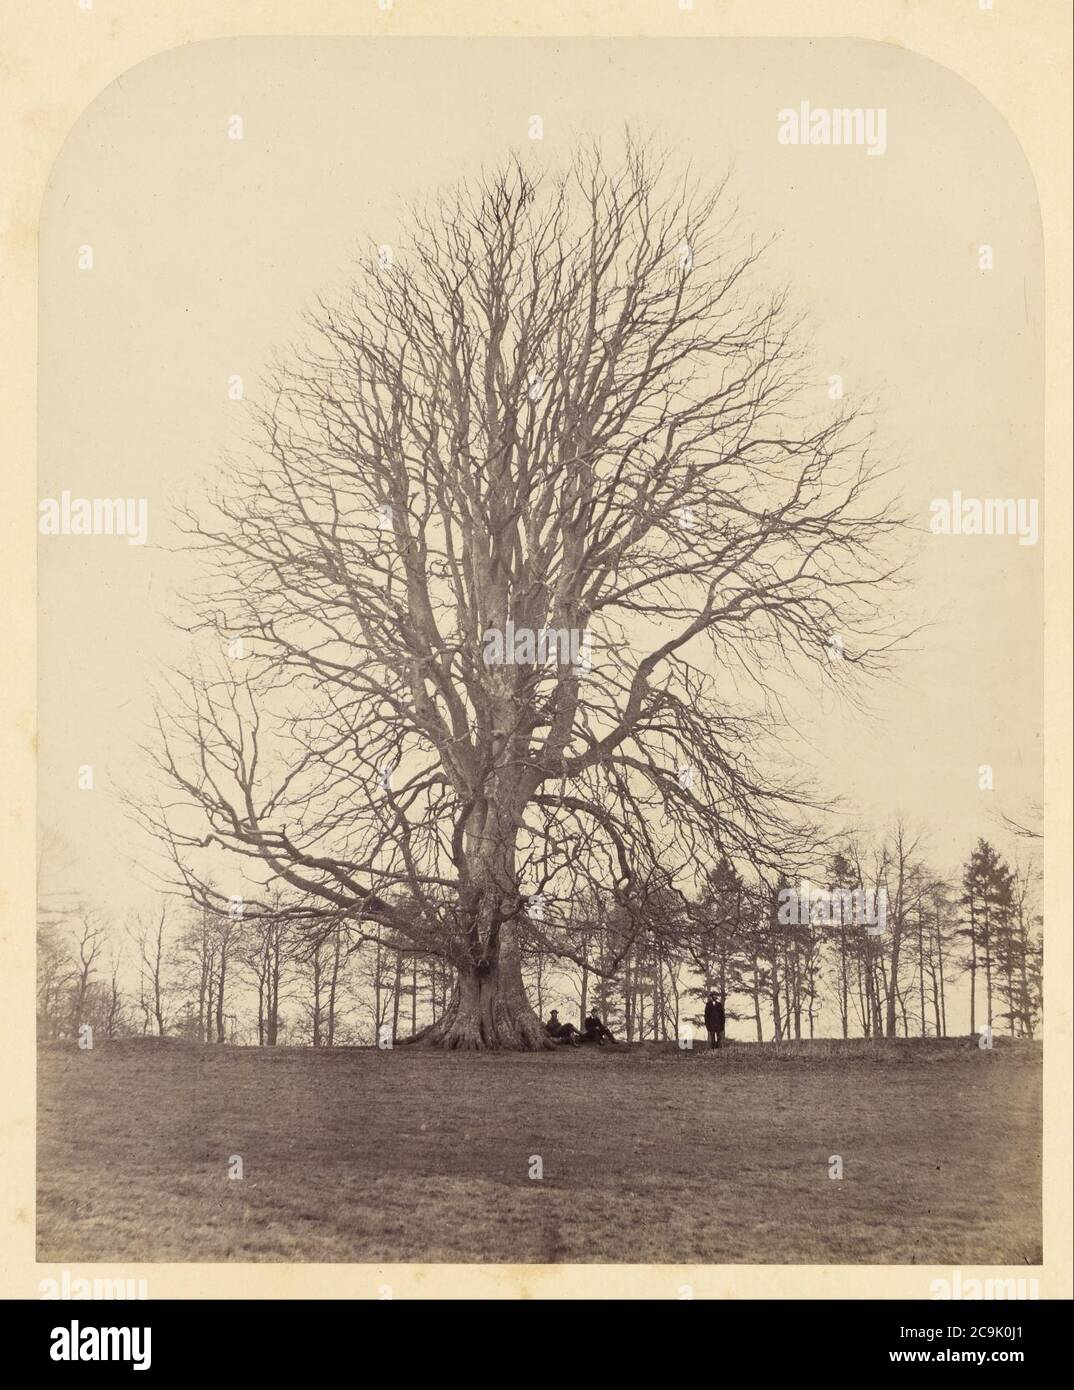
(272, 1021)
(988, 965)
(397, 982)
(333, 986)
(891, 985)
(204, 982)
(777, 1021)
(973, 971)
(221, 980)
(1023, 992)
(489, 1008)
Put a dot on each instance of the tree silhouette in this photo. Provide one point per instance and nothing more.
(564, 406)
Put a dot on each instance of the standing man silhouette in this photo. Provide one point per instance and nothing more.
(715, 1020)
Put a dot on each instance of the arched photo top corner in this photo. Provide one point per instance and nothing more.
(168, 55)
(152, 60)
(964, 84)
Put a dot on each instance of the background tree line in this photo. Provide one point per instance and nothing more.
(278, 977)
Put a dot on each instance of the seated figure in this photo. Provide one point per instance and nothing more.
(565, 1033)
(595, 1031)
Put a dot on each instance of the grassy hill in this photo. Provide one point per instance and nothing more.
(648, 1154)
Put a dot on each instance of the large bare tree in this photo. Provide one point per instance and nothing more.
(563, 404)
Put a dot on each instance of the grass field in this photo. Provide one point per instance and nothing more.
(648, 1153)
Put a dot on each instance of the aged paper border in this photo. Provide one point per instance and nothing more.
(54, 59)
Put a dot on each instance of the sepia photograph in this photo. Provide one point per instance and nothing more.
(540, 647)
(537, 725)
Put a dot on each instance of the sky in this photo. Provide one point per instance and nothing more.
(206, 250)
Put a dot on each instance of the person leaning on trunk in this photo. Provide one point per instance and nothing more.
(565, 1033)
(715, 1020)
(594, 1031)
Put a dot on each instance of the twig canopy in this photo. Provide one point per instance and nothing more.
(532, 529)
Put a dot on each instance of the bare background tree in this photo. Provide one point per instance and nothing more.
(566, 405)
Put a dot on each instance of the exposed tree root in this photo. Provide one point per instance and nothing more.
(488, 1011)
(495, 1025)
